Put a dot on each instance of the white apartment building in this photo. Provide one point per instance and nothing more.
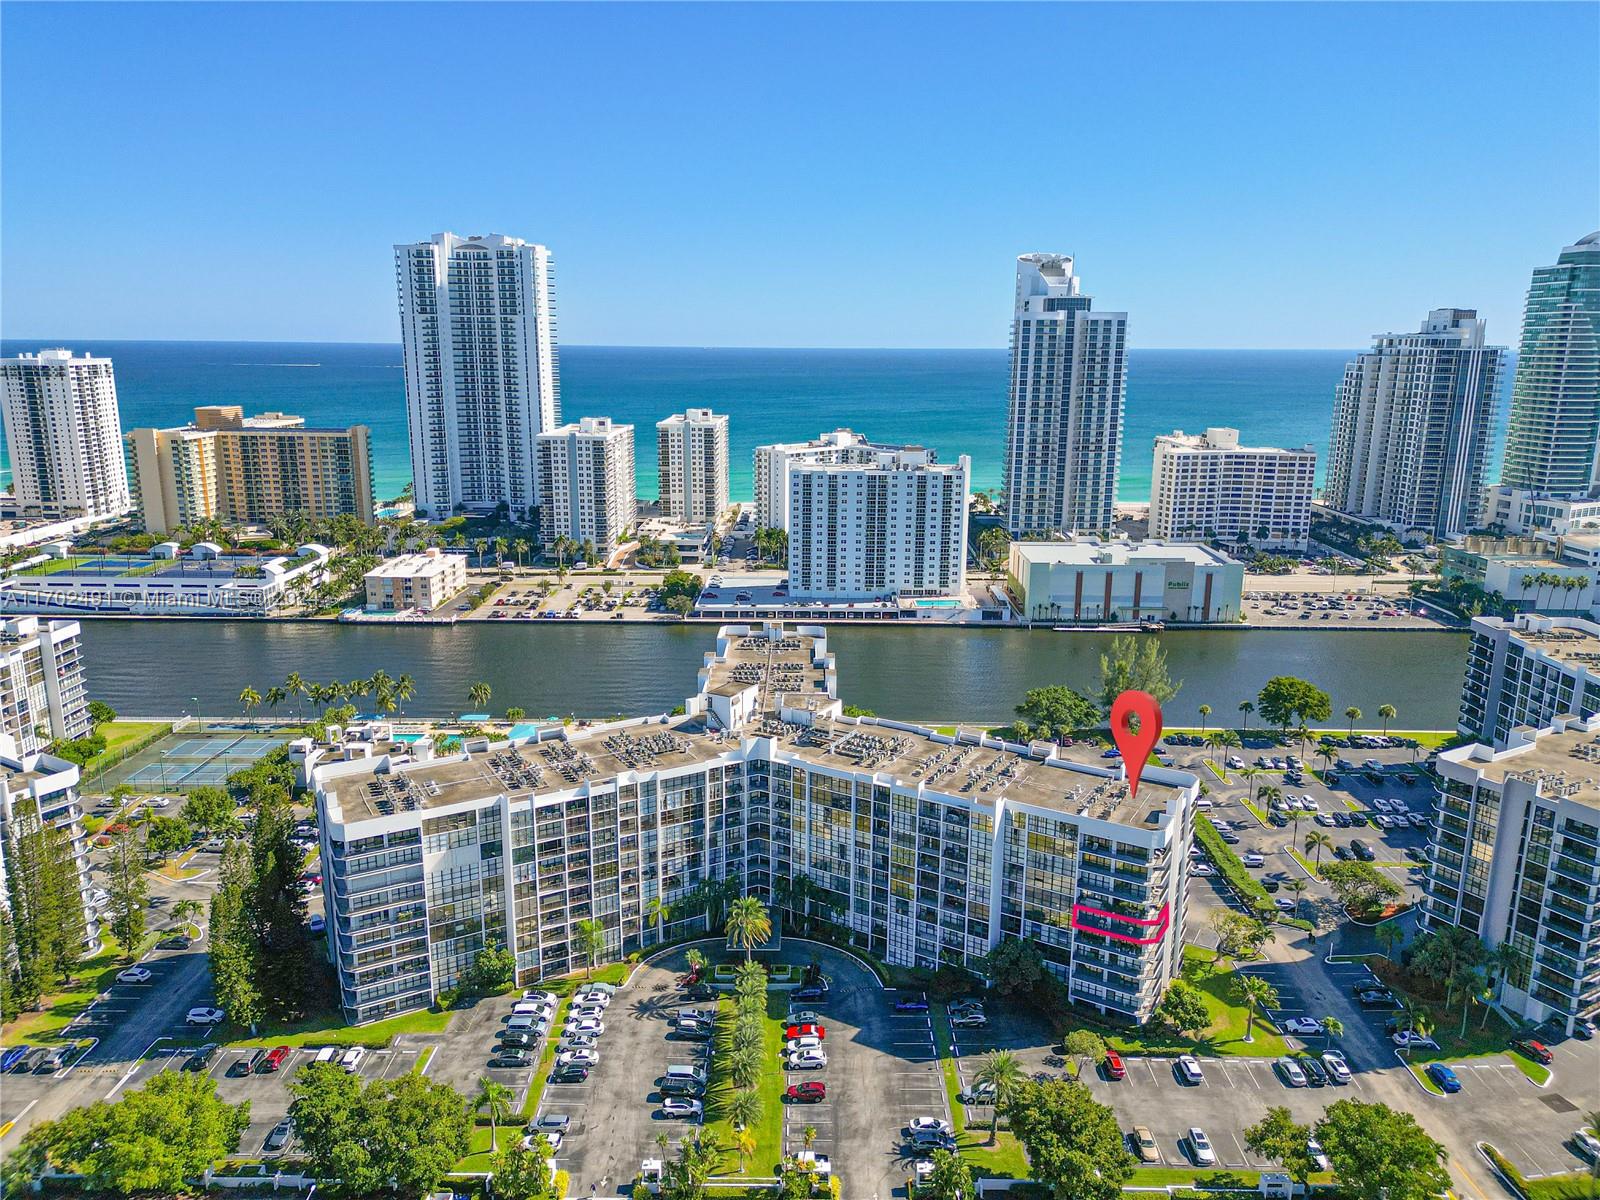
(1516, 511)
(586, 486)
(38, 788)
(1413, 419)
(1209, 486)
(415, 581)
(692, 450)
(1068, 384)
(1515, 858)
(1087, 581)
(477, 320)
(1527, 671)
(773, 463)
(930, 848)
(64, 435)
(892, 526)
(43, 697)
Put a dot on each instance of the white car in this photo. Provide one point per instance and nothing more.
(809, 1042)
(548, 1135)
(205, 1016)
(929, 1125)
(1200, 1147)
(1235, 763)
(531, 1008)
(592, 1026)
(1291, 1074)
(1588, 1145)
(547, 998)
(804, 1016)
(1309, 803)
(351, 1059)
(1189, 1068)
(806, 1060)
(578, 1058)
(133, 975)
(1318, 1155)
(1201, 868)
(1304, 1026)
(1338, 1068)
(578, 1041)
(1407, 1038)
(592, 997)
(682, 1110)
(1254, 860)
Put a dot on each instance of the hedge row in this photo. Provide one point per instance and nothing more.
(1239, 876)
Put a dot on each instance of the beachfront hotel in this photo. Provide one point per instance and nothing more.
(1413, 419)
(692, 457)
(1526, 671)
(1068, 383)
(586, 487)
(247, 470)
(477, 322)
(928, 847)
(1208, 486)
(893, 525)
(64, 435)
(1515, 857)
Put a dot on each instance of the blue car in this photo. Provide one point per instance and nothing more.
(1444, 1078)
(911, 1004)
(1111, 753)
(12, 1057)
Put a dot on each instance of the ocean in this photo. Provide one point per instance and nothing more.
(952, 400)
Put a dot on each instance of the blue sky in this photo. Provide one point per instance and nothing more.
(828, 175)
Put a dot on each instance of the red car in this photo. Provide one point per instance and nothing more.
(1537, 1051)
(809, 1092)
(1115, 1069)
(794, 1031)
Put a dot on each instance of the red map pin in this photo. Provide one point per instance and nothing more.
(1135, 745)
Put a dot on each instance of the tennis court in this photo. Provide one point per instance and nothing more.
(193, 761)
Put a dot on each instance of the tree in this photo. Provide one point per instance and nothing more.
(1239, 935)
(591, 943)
(211, 810)
(1135, 664)
(494, 1098)
(1352, 714)
(249, 700)
(1286, 701)
(1378, 1153)
(1389, 935)
(522, 1173)
(744, 1143)
(515, 714)
(1278, 1137)
(1184, 1008)
(48, 928)
(1298, 885)
(153, 1140)
(1316, 842)
(993, 545)
(680, 585)
(1086, 1046)
(1359, 886)
(1075, 1146)
(186, 912)
(744, 1108)
(1205, 715)
(1245, 709)
(479, 695)
(1002, 1073)
(657, 913)
(749, 925)
(101, 713)
(1015, 967)
(408, 1130)
(1332, 1028)
(950, 1179)
(164, 835)
(1055, 712)
(129, 891)
(1387, 713)
(493, 969)
(1255, 992)
(232, 946)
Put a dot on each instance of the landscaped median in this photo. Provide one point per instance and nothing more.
(1238, 875)
(1570, 1185)
(768, 1130)
(1006, 1158)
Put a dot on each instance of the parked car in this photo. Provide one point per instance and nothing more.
(680, 1109)
(1318, 1156)
(549, 1123)
(927, 1125)
(969, 1020)
(200, 1058)
(1316, 1076)
(1289, 1071)
(1444, 1078)
(579, 1058)
(802, 1043)
(549, 999)
(246, 1065)
(279, 1137)
(566, 1074)
(593, 1026)
(273, 1060)
(1338, 1068)
(806, 1060)
(1188, 1068)
(11, 1057)
(516, 1037)
(516, 1056)
(1144, 1145)
(1538, 1051)
(911, 1004)
(817, 990)
(352, 1059)
(205, 1016)
(1115, 1067)
(1200, 1147)
(809, 1092)
(1303, 1026)
(1587, 1144)
(1409, 1038)
(807, 1029)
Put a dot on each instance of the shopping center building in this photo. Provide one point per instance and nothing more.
(922, 847)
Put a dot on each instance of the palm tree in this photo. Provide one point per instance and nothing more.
(478, 695)
(1316, 843)
(657, 913)
(744, 1109)
(1327, 754)
(496, 1098)
(1352, 714)
(1248, 774)
(404, 689)
(749, 924)
(1003, 1072)
(808, 1135)
(1268, 794)
(1228, 739)
(591, 936)
(1332, 1028)
(1298, 886)
(1502, 958)
(1246, 708)
(521, 547)
(1421, 1023)
(1205, 713)
(294, 685)
(1389, 935)
(188, 912)
(1468, 981)
(744, 1142)
(1256, 993)
(1387, 713)
(697, 962)
(274, 696)
(248, 699)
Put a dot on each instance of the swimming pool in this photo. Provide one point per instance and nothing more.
(938, 603)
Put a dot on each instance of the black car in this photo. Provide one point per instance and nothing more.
(569, 1074)
(1316, 1074)
(30, 1060)
(1377, 999)
(1271, 885)
(176, 942)
(812, 991)
(911, 1004)
(514, 1039)
(699, 991)
(1342, 853)
(1342, 820)
(201, 1058)
(1228, 836)
(512, 1057)
(1363, 851)
(1331, 779)
(1357, 819)
(247, 1064)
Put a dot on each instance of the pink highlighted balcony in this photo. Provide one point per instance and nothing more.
(1140, 925)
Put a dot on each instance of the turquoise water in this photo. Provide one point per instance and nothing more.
(953, 400)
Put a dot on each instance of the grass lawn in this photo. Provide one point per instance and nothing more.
(119, 734)
(1225, 1037)
(481, 1151)
(95, 975)
(770, 1087)
(1192, 1177)
(1006, 1159)
(1216, 770)
(1482, 1038)
(330, 1030)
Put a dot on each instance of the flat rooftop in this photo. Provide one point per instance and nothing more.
(1568, 763)
(1565, 644)
(1100, 554)
(781, 667)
